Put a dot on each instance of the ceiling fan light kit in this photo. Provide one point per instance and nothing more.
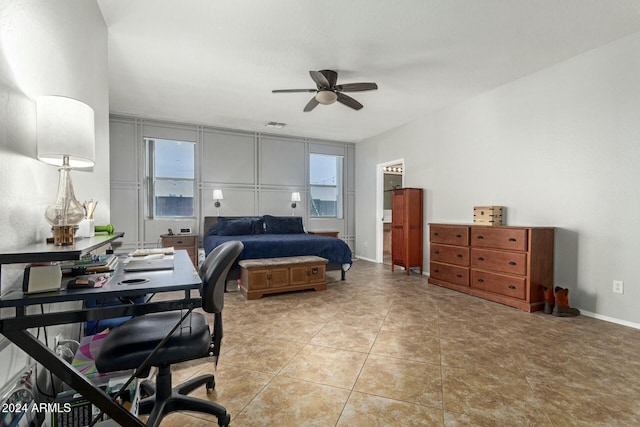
(328, 91)
(326, 97)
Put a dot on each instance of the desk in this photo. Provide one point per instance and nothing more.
(182, 278)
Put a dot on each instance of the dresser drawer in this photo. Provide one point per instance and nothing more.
(449, 234)
(450, 254)
(499, 238)
(504, 261)
(502, 284)
(450, 273)
(179, 242)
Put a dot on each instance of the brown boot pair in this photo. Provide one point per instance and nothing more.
(558, 304)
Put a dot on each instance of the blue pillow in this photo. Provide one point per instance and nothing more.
(283, 224)
(257, 226)
(214, 230)
(236, 227)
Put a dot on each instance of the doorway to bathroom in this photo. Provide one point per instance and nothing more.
(390, 175)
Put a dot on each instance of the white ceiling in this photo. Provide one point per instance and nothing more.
(215, 62)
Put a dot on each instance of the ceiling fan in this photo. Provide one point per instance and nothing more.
(328, 91)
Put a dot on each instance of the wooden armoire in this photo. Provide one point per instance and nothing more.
(406, 228)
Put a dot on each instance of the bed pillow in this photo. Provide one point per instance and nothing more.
(214, 230)
(236, 227)
(283, 224)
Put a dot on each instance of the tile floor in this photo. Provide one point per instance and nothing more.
(383, 349)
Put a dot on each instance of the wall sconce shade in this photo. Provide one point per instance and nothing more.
(217, 196)
(295, 197)
(65, 127)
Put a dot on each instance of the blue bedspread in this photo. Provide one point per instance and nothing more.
(284, 245)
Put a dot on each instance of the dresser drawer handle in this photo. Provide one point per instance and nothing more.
(512, 239)
(436, 234)
(481, 280)
(480, 237)
(512, 287)
(179, 242)
(460, 256)
(459, 276)
(513, 263)
(480, 258)
(437, 252)
(436, 271)
(459, 236)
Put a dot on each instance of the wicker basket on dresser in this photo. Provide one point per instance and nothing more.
(505, 264)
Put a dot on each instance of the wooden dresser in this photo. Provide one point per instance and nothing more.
(188, 242)
(406, 228)
(504, 264)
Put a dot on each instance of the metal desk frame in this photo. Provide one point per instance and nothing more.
(16, 328)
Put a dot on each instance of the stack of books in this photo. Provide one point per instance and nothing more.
(95, 264)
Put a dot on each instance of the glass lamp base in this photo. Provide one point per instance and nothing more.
(63, 234)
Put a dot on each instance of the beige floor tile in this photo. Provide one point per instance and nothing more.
(365, 410)
(326, 365)
(262, 354)
(412, 344)
(401, 379)
(290, 402)
(346, 336)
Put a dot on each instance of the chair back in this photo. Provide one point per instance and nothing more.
(214, 272)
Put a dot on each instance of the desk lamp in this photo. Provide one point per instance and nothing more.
(66, 138)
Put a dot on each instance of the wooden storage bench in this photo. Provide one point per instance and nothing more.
(259, 277)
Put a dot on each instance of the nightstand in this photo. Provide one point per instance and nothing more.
(188, 242)
(325, 233)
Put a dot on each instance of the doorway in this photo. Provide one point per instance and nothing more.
(389, 175)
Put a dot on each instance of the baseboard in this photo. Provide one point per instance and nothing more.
(610, 319)
(367, 259)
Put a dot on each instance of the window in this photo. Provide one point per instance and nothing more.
(325, 180)
(170, 177)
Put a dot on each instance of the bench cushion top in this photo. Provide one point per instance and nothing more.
(293, 260)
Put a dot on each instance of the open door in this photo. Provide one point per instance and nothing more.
(390, 175)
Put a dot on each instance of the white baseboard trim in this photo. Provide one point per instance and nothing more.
(610, 319)
(367, 259)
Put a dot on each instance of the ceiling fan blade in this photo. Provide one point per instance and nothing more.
(348, 101)
(292, 90)
(356, 87)
(311, 105)
(320, 79)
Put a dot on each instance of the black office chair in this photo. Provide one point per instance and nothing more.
(127, 346)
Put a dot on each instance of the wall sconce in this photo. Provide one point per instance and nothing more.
(295, 197)
(217, 196)
(66, 138)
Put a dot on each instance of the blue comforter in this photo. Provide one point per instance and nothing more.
(284, 245)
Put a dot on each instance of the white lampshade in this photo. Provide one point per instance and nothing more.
(65, 128)
(295, 196)
(326, 97)
(217, 195)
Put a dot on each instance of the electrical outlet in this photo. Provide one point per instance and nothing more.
(618, 286)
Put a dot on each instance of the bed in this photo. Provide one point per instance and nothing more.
(271, 237)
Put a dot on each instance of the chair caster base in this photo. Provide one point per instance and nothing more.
(224, 421)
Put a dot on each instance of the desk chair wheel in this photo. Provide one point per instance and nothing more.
(224, 421)
(211, 385)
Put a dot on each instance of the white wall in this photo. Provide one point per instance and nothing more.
(560, 147)
(46, 48)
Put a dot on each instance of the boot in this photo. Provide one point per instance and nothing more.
(549, 300)
(562, 308)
